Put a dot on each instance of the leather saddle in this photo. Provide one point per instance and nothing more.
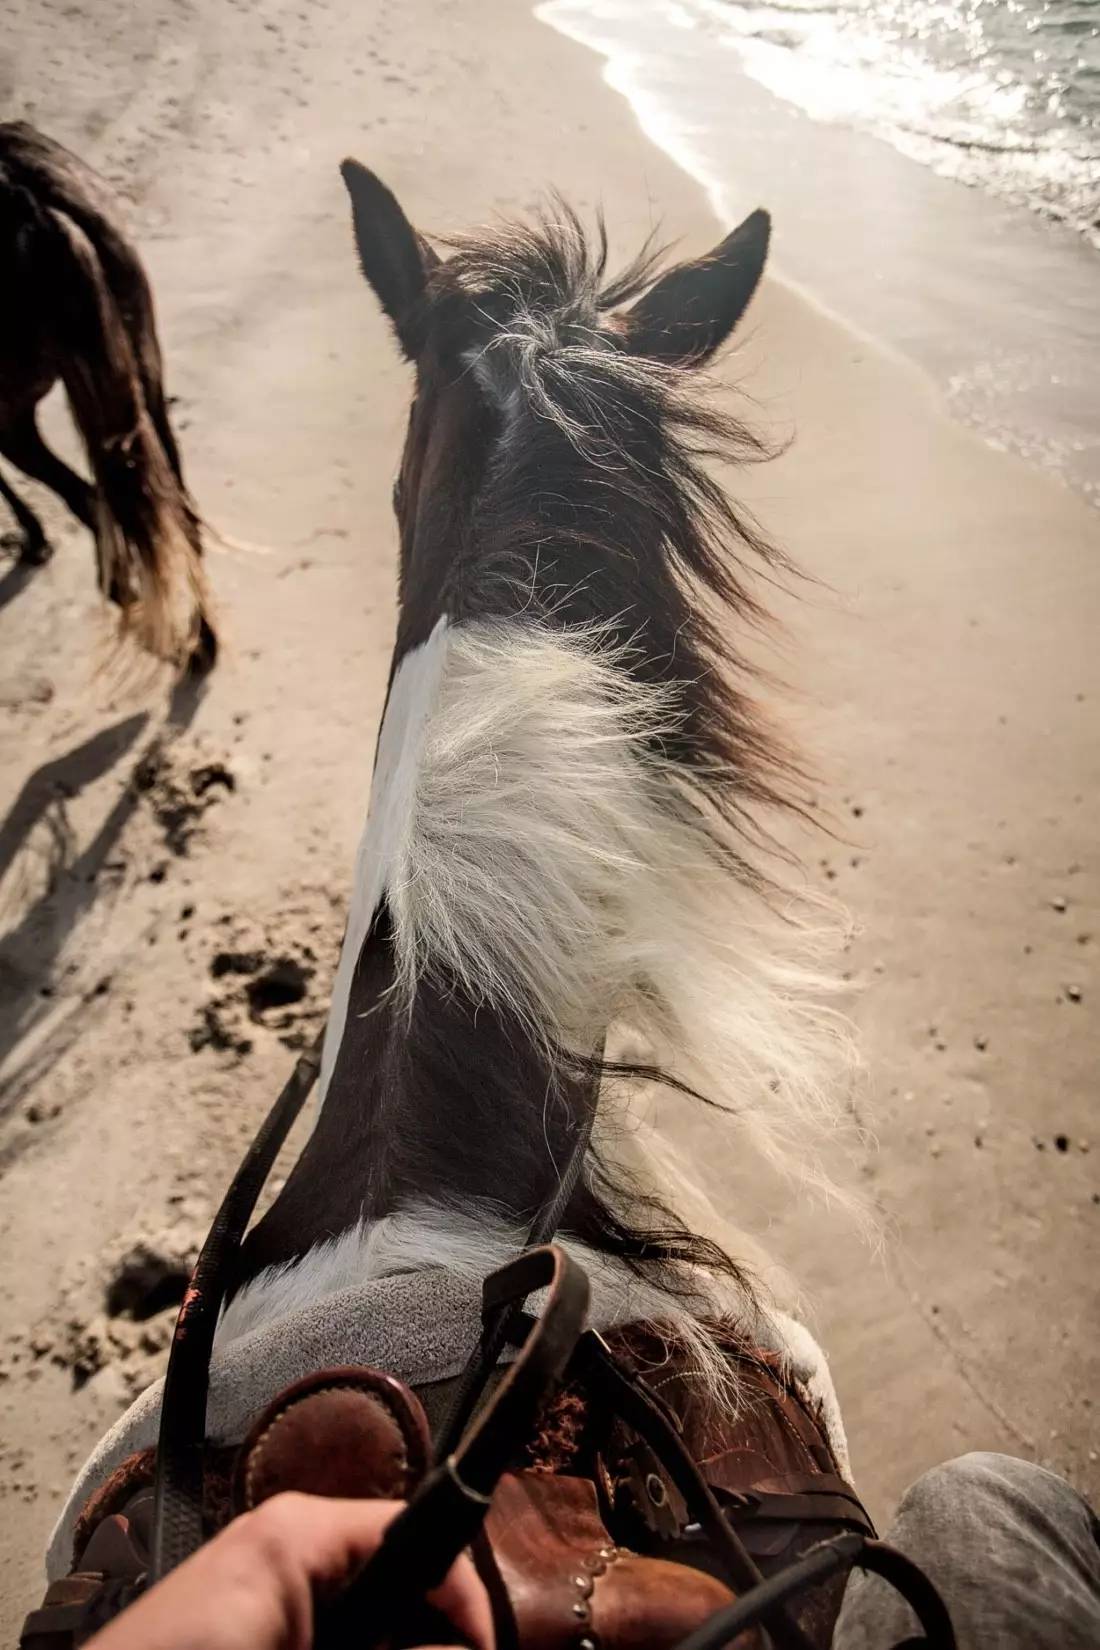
(587, 1544)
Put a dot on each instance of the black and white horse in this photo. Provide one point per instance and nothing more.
(567, 850)
(567, 830)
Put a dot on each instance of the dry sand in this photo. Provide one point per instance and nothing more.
(172, 895)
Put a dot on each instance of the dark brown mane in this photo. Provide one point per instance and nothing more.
(600, 505)
(549, 262)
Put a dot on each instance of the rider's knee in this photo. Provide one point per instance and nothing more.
(976, 1480)
(985, 1466)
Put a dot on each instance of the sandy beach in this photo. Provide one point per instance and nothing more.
(943, 674)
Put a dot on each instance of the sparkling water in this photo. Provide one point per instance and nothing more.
(1004, 94)
(857, 122)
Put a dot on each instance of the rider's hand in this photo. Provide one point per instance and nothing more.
(252, 1587)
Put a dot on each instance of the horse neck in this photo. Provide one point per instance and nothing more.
(445, 1108)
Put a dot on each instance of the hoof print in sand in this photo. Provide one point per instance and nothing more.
(147, 1281)
(180, 790)
(121, 1314)
(267, 978)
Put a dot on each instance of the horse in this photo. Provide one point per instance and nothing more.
(568, 892)
(566, 831)
(75, 305)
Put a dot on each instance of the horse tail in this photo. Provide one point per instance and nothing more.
(148, 536)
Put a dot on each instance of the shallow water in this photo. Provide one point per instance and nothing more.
(1000, 304)
(1003, 94)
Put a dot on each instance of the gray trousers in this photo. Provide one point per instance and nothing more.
(1013, 1550)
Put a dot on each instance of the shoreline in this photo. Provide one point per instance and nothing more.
(883, 244)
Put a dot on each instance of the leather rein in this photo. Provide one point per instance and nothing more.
(447, 1511)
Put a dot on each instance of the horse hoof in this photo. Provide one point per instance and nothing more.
(204, 654)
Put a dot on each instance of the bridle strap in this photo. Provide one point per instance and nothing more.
(178, 1487)
(632, 1401)
(450, 1506)
(829, 1558)
(501, 1320)
(178, 1484)
(628, 1395)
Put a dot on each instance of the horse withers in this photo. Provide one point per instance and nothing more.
(75, 305)
(567, 854)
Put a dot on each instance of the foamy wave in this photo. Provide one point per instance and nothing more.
(968, 93)
(632, 37)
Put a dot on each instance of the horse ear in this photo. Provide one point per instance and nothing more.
(394, 258)
(691, 311)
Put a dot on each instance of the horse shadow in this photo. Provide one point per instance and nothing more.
(48, 788)
(30, 950)
(15, 581)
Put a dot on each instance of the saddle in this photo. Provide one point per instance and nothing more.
(611, 1500)
(588, 1541)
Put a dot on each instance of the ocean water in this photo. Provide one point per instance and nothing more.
(933, 172)
(1000, 94)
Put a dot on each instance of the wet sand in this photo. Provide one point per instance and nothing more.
(996, 303)
(943, 676)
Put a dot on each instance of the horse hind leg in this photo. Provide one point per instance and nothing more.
(204, 654)
(21, 443)
(30, 542)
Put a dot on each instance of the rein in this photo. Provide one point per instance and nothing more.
(500, 1324)
(181, 1441)
(449, 1508)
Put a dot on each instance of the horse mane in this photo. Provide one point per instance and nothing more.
(97, 305)
(642, 522)
(595, 664)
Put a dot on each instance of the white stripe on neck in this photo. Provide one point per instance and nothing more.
(400, 748)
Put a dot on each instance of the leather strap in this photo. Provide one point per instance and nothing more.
(500, 1317)
(181, 1445)
(808, 1499)
(449, 1508)
(627, 1396)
